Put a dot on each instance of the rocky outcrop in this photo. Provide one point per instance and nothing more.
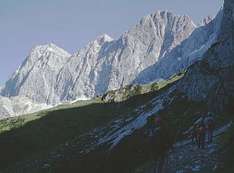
(212, 79)
(37, 76)
(185, 54)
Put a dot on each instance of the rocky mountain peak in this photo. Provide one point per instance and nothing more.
(104, 38)
(93, 47)
(167, 19)
(48, 48)
(207, 20)
(228, 19)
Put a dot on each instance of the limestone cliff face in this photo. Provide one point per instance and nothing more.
(161, 41)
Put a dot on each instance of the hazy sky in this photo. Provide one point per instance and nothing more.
(73, 23)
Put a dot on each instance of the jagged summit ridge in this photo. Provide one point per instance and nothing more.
(46, 49)
(186, 53)
(117, 63)
(104, 38)
(51, 75)
(37, 75)
(51, 47)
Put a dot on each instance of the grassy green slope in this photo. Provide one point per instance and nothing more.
(34, 135)
(133, 90)
(123, 93)
(16, 122)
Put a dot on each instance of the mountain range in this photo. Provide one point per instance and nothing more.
(160, 45)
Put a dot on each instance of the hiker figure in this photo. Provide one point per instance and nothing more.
(210, 125)
(194, 134)
(201, 136)
(151, 126)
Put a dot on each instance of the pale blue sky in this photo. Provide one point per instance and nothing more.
(72, 23)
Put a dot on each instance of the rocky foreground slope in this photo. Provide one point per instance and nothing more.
(212, 79)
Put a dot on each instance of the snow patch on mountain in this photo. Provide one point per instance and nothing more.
(15, 106)
(119, 132)
(138, 123)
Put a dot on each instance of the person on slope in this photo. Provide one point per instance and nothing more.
(201, 134)
(194, 134)
(210, 126)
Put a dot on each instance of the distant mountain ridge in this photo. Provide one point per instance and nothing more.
(160, 45)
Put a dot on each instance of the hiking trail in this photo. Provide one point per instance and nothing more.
(186, 157)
